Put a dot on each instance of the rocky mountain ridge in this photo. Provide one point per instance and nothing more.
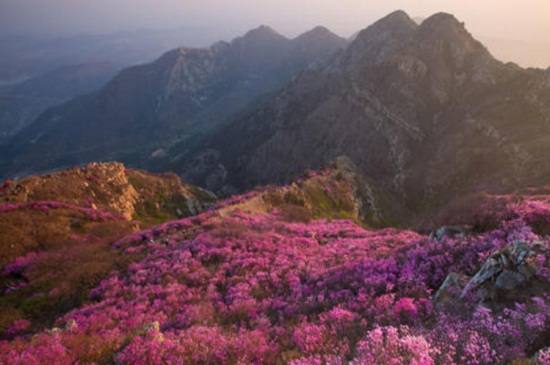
(423, 110)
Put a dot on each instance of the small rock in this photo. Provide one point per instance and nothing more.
(450, 231)
(154, 326)
(153, 330)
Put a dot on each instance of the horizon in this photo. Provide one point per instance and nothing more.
(513, 32)
(70, 17)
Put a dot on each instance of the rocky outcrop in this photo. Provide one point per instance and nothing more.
(112, 187)
(113, 175)
(98, 185)
(450, 290)
(507, 270)
(336, 191)
(509, 275)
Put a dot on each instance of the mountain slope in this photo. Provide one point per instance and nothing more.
(168, 102)
(424, 110)
(235, 286)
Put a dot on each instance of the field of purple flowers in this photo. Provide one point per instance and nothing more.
(258, 289)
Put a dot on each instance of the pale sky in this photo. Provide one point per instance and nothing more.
(521, 20)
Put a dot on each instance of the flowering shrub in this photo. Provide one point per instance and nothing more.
(544, 356)
(393, 346)
(257, 289)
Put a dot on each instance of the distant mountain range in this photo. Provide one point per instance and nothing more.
(185, 93)
(22, 103)
(39, 73)
(425, 112)
(24, 57)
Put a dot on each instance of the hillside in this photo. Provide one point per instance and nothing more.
(249, 283)
(65, 223)
(59, 228)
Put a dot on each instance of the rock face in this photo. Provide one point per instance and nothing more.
(127, 196)
(166, 105)
(509, 275)
(423, 110)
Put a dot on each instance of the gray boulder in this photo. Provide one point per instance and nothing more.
(508, 275)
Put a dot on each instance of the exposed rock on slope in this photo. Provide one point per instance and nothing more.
(423, 110)
(509, 275)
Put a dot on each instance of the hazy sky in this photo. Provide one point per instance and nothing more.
(514, 30)
(518, 19)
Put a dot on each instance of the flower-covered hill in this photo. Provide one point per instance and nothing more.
(244, 284)
(61, 226)
(57, 230)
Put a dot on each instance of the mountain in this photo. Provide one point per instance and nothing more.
(24, 57)
(424, 111)
(38, 73)
(316, 44)
(147, 109)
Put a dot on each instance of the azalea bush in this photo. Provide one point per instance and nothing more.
(260, 289)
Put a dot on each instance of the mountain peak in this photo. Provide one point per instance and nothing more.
(319, 30)
(381, 38)
(443, 26)
(441, 20)
(396, 18)
(318, 33)
(262, 33)
(397, 23)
